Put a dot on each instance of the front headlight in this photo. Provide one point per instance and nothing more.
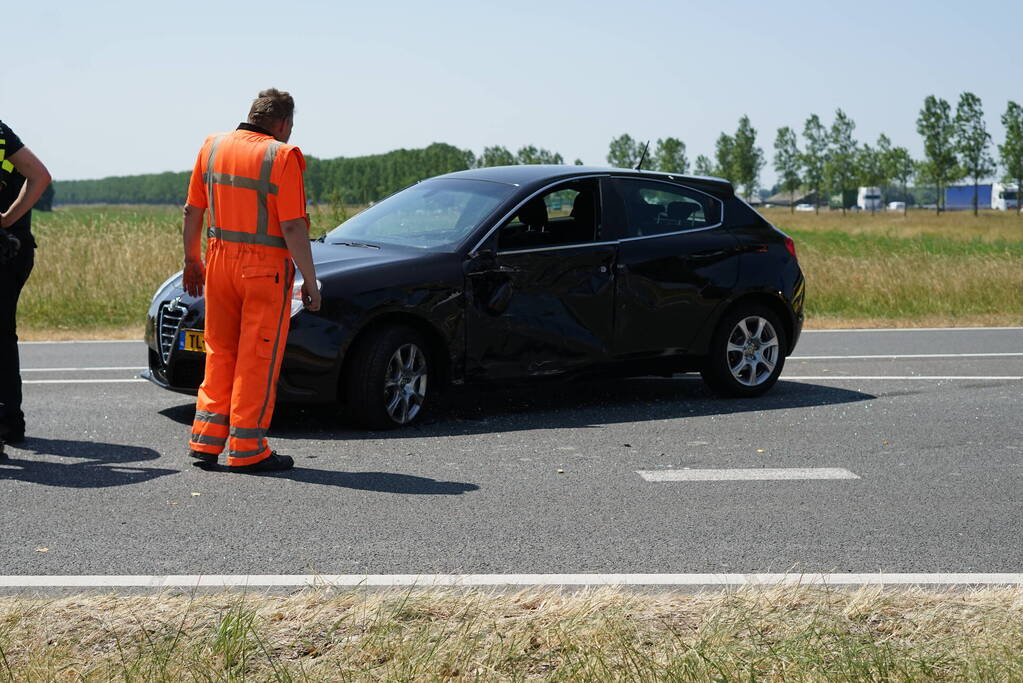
(296, 295)
(173, 281)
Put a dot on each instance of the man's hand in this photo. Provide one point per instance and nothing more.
(193, 277)
(310, 295)
(4, 222)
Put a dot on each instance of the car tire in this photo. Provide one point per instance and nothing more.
(388, 377)
(747, 353)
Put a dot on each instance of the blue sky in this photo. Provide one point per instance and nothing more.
(117, 88)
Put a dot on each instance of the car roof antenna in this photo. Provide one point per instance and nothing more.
(642, 157)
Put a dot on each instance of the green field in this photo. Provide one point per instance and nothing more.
(98, 267)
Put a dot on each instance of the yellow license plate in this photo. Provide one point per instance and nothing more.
(192, 340)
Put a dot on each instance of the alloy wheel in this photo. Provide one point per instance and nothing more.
(405, 383)
(752, 350)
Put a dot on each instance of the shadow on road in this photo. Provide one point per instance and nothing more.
(95, 465)
(383, 482)
(561, 405)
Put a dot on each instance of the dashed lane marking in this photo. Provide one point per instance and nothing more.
(134, 368)
(81, 381)
(748, 474)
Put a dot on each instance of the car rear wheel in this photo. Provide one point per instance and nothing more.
(747, 353)
(389, 373)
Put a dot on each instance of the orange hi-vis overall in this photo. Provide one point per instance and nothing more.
(249, 183)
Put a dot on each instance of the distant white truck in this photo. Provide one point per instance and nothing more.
(1004, 196)
(869, 199)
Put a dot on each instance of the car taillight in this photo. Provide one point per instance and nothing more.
(791, 246)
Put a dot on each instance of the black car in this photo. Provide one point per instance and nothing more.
(522, 272)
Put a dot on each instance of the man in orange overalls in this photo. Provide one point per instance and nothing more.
(250, 183)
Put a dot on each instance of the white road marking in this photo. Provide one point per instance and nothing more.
(427, 580)
(87, 341)
(136, 369)
(909, 355)
(748, 474)
(910, 329)
(902, 377)
(81, 381)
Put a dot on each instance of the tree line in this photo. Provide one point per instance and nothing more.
(829, 160)
(956, 145)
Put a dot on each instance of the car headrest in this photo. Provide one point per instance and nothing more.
(534, 213)
(681, 211)
(582, 207)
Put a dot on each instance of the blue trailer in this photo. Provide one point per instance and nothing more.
(960, 197)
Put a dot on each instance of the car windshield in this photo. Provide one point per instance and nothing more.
(430, 215)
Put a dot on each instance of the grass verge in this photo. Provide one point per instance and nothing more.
(98, 267)
(771, 634)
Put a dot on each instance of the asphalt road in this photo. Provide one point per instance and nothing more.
(543, 479)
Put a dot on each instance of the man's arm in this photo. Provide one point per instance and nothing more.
(296, 234)
(37, 178)
(191, 234)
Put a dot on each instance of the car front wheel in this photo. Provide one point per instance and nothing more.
(747, 353)
(388, 378)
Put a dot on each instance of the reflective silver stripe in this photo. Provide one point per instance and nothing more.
(209, 440)
(262, 216)
(212, 418)
(209, 185)
(240, 181)
(247, 433)
(288, 265)
(247, 238)
(246, 454)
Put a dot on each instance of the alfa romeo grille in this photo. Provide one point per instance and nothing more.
(167, 322)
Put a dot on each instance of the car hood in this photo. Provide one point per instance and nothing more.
(339, 258)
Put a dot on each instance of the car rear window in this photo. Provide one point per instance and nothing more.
(658, 208)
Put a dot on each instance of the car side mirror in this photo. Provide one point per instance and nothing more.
(483, 261)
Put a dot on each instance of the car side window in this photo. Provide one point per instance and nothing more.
(656, 208)
(566, 214)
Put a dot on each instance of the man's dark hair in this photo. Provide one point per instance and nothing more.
(271, 105)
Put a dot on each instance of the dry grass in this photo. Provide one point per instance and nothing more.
(98, 267)
(771, 634)
(989, 226)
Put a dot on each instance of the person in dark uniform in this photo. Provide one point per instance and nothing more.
(23, 178)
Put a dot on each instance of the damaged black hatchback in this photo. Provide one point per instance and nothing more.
(519, 272)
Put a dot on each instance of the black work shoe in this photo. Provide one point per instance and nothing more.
(274, 463)
(15, 438)
(208, 458)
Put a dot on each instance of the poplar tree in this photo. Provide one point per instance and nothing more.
(870, 166)
(747, 158)
(936, 127)
(703, 166)
(1012, 151)
(972, 141)
(815, 156)
(788, 162)
(623, 152)
(900, 166)
(723, 147)
(670, 156)
(841, 164)
(884, 149)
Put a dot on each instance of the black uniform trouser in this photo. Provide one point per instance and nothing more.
(13, 276)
